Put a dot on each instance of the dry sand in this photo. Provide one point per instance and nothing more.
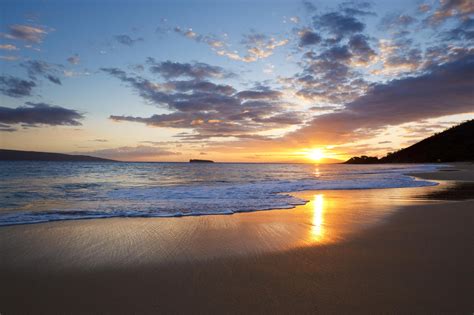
(404, 250)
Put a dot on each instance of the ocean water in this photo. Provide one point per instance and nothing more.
(33, 192)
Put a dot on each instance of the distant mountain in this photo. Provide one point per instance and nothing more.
(15, 155)
(455, 144)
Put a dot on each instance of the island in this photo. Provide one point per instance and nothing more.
(200, 161)
(17, 155)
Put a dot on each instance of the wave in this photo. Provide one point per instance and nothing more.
(211, 198)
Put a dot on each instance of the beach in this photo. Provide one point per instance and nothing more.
(398, 250)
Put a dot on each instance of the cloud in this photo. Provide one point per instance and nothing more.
(207, 108)
(211, 40)
(40, 114)
(451, 9)
(37, 68)
(463, 32)
(127, 40)
(442, 90)
(199, 85)
(338, 25)
(397, 21)
(354, 8)
(309, 6)
(399, 56)
(8, 47)
(132, 153)
(74, 60)
(294, 19)
(330, 73)
(257, 45)
(361, 51)
(308, 37)
(195, 70)
(9, 58)
(330, 76)
(260, 46)
(33, 34)
(16, 87)
(424, 7)
(265, 94)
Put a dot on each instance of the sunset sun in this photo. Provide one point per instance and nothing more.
(315, 154)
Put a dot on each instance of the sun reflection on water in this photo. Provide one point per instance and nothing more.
(316, 172)
(317, 230)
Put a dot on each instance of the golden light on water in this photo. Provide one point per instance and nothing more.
(317, 230)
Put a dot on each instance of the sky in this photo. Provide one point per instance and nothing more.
(242, 81)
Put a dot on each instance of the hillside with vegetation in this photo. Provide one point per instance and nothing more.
(455, 144)
(16, 155)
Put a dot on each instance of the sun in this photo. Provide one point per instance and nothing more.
(315, 154)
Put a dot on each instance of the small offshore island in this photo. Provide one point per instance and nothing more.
(200, 161)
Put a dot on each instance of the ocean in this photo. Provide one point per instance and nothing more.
(34, 192)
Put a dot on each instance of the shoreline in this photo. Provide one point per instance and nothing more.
(415, 256)
(14, 221)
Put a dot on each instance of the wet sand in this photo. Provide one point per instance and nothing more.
(392, 250)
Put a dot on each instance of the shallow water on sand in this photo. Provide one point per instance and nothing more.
(329, 217)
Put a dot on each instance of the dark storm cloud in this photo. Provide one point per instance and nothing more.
(38, 68)
(127, 40)
(308, 37)
(443, 90)
(40, 113)
(16, 87)
(195, 70)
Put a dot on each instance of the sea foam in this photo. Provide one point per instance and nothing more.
(207, 191)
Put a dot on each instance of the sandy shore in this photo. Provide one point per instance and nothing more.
(394, 251)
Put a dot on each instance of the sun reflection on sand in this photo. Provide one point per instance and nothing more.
(317, 230)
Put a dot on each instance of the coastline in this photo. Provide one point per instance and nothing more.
(412, 257)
